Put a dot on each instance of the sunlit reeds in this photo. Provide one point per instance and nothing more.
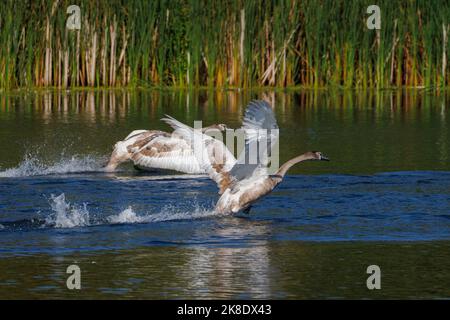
(231, 43)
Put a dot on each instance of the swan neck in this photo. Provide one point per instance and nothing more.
(214, 126)
(288, 164)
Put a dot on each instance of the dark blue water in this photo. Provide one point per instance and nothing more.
(90, 211)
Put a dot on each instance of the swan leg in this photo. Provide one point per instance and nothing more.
(247, 210)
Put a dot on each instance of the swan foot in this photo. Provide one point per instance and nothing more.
(247, 210)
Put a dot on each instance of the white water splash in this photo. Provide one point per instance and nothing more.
(33, 166)
(126, 216)
(65, 215)
(168, 213)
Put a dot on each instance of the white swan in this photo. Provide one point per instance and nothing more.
(154, 149)
(241, 183)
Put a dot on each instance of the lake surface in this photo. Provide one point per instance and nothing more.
(383, 199)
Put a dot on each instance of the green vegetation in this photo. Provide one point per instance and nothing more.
(224, 43)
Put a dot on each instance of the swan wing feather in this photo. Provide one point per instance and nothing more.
(213, 156)
(261, 134)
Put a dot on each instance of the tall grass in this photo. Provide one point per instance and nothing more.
(224, 43)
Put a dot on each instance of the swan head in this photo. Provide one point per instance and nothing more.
(317, 155)
(214, 127)
(221, 126)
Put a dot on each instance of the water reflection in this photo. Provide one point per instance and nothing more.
(113, 105)
(231, 271)
(281, 270)
(342, 124)
(443, 138)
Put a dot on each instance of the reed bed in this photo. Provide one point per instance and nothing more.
(224, 43)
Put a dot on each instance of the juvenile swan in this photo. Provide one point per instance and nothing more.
(240, 183)
(154, 149)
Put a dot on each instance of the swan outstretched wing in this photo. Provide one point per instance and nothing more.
(261, 134)
(136, 134)
(259, 115)
(163, 151)
(212, 155)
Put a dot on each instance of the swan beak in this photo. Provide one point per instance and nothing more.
(323, 158)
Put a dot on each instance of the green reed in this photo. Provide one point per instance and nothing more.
(231, 43)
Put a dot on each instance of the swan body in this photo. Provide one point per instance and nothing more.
(154, 149)
(243, 194)
(167, 153)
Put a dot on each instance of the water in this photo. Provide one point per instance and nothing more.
(384, 199)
